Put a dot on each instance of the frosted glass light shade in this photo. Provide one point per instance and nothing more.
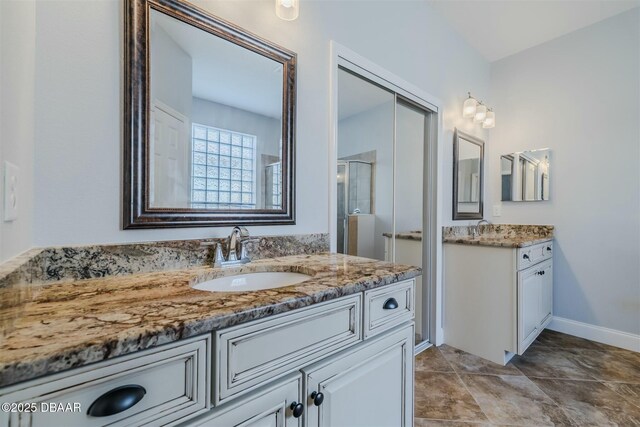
(481, 113)
(489, 120)
(287, 9)
(469, 108)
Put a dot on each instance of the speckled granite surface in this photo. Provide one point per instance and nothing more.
(53, 327)
(501, 235)
(85, 262)
(406, 235)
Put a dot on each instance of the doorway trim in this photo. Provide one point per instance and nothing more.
(341, 56)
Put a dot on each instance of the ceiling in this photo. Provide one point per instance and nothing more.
(499, 28)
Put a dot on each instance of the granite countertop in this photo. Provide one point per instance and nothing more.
(54, 327)
(500, 241)
(406, 235)
(500, 235)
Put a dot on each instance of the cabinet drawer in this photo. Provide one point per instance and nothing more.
(532, 255)
(173, 381)
(254, 352)
(388, 306)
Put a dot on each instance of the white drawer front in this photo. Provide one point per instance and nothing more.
(174, 383)
(532, 255)
(251, 353)
(399, 302)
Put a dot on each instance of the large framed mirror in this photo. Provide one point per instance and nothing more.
(209, 121)
(468, 176)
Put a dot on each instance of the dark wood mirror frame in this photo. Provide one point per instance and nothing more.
(136, 210)
(456, 146)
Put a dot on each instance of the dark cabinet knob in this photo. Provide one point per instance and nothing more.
(390, 304)
(525, 256)
(549, 248)
(318, 398)
(117, 400)
(297, 408)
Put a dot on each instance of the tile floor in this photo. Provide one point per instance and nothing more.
(560, 380)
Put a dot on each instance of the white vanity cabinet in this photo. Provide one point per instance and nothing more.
(497, 300)
(269, 407)
(535, 302)
(371, 385)
(354, 352)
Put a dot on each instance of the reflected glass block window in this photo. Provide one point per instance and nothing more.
(223, 173)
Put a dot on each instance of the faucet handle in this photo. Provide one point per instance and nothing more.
(219, 257)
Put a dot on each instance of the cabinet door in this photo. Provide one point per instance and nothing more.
(529, 303)
(270, 407)
(546, 289)
(368, 387)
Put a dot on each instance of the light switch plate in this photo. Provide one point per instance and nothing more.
(497, 210)
(10, 192)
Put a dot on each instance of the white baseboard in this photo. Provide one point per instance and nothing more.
(596, 333)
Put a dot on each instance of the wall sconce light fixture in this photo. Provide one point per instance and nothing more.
(287, 9)
(480, 113)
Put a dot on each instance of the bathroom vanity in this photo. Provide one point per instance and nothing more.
(498, 292)
(149, 349)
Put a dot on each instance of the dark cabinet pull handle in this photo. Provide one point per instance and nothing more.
(297, 408)
(549, 248)
(117, 400)
(390, 304)
(525, 256)
(318, 398)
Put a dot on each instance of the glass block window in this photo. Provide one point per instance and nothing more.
(224, 169)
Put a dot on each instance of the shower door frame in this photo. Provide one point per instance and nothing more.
(342, 57)
(347, 177)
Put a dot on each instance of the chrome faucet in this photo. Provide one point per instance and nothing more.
(476, 229)
(235, 246)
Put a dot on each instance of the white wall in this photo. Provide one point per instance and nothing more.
(17, 68)
(173, 72)
(579, 95)
(78, 87)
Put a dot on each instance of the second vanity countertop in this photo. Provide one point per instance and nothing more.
(499, 241)
(500, 235)
(54, 327)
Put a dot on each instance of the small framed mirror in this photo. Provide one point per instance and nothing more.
(468, 176)
(525, 175)
(209, 121)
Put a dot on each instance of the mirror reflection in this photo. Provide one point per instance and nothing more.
(525, 176)
(216, 121)
(468, 160)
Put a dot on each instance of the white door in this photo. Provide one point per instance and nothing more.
(368, 387)
(529, 296)
(169, 171)
(266, 408)
(546, 289)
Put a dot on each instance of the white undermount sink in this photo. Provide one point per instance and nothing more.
(251, 281)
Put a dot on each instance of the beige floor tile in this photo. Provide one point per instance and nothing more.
(590, 403)
(548, 362)
(466, 363)
(431, 360)
(442, 396)
(605, 365)
(509, 399)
